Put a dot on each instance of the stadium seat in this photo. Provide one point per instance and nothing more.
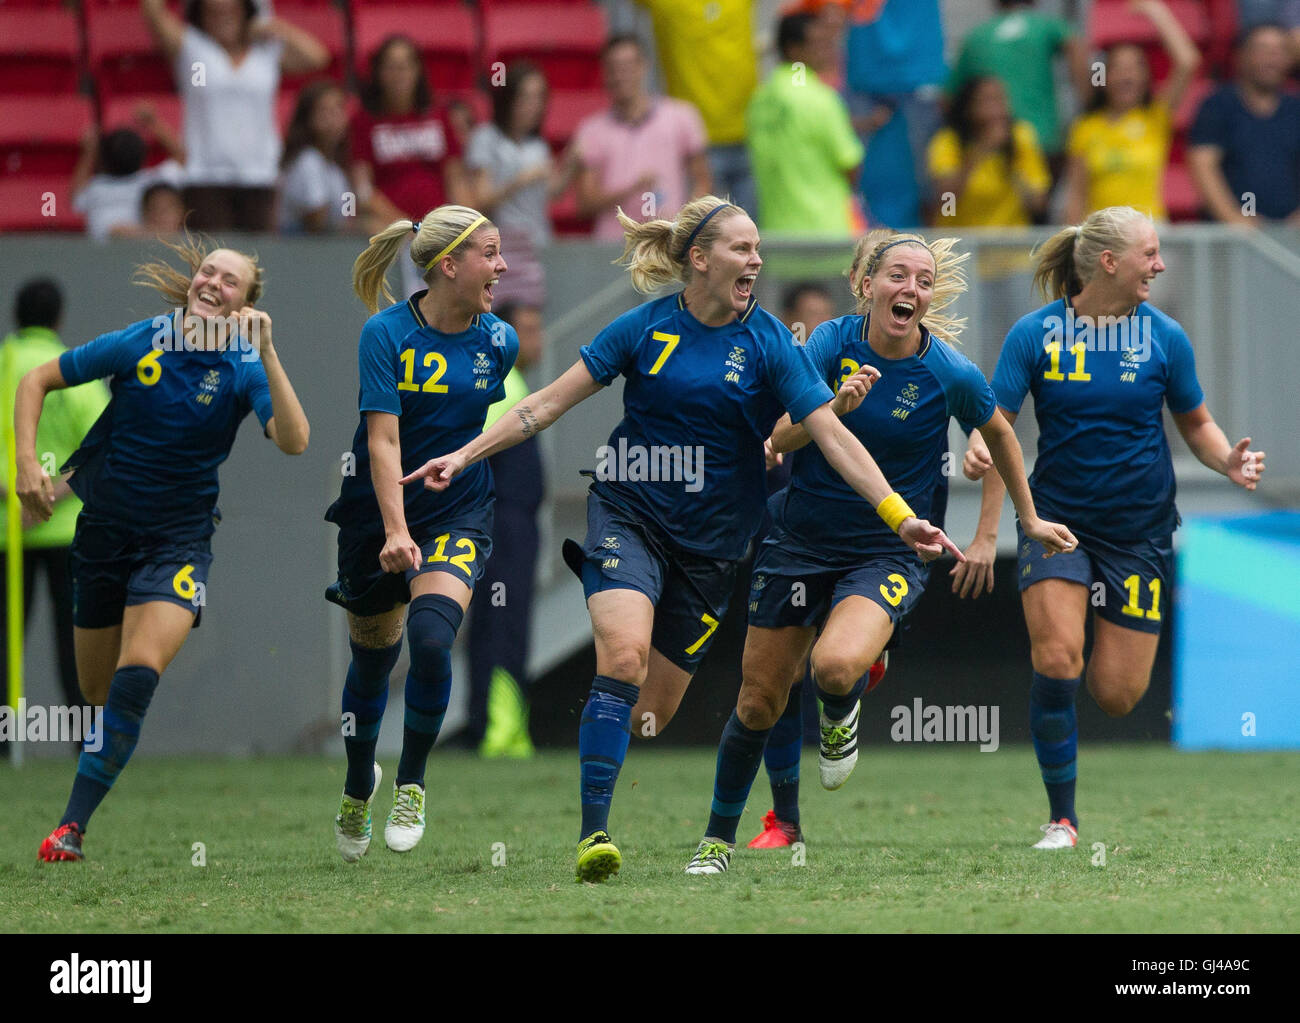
(565, 219)
(565, 110)
(26, 201)
(122, 54)
(1186, 112)
(1112, 21)
(1182, 201)
(564, 41)
(447, 37)
(39, 51)
(326, 24)
(42, 134)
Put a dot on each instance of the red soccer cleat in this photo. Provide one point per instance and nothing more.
(776, 834)
(64, 843)
(877, 671)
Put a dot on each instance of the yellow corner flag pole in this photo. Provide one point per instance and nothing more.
(14, 561)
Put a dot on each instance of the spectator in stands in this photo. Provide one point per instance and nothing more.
(110, 177)
(1119, 149)
(707, 54)
(69, 415)
(801, 142)
(162, 211)
(1244, 147)
(406, 156)
(1019, 45)
(894, 72)
(514, 180)
(313, 183)
(987, 169)
(647, 154)
(502, 608)
(227, 61)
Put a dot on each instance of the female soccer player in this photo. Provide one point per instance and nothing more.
(679, 487)
(826, 566)
(142, 549)
(1101, 362)
(430, 367)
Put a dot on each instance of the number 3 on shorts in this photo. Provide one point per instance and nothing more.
(711, 623)
(183, 583)
(898, 592)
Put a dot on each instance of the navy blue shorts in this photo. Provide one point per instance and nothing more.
(114, 568)
(460, 548)
(1129, 582)
(785, 591)
(690, 593)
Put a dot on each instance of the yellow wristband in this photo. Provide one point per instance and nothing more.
(894, 510)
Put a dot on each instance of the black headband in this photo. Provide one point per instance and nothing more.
(699, 227)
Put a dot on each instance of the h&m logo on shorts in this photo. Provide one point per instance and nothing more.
(482, 371)
(208, 386)
(610, 543)
(735, 365)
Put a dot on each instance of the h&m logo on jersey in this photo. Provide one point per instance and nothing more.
(1130, 361)
(482, 371)
(907, 401)
(735, 365)
(610, 543)
(208, 387)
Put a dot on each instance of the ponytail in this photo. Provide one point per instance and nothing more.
(442, 232)
(657, 251)
(1069, 259)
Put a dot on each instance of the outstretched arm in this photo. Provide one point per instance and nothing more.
(529, 417)
(788, 436)
(1209, 444)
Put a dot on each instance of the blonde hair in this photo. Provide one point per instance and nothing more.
(949, 276)
(174, 286)
(438, 229)
(655, 252)
(1068, 260)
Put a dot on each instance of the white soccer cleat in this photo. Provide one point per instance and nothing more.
(352, 825)
(1058, 835)
(839, 748)
(710, 858)
(405, 825)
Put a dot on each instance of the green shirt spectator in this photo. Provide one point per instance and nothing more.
(803, 150)
(1019, 45)
(67, 416)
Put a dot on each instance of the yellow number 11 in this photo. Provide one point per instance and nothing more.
(1133, 609)
(1078, 351)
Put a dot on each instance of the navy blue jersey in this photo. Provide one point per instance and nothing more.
(1103, 461)
(903, 422)
(151, 459)
(439, 386)
(698, 403)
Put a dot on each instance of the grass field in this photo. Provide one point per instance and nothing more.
(919, 840)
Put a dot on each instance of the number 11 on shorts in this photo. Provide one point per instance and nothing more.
(710, 624)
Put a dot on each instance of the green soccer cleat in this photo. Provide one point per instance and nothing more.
(598, 858)
(712, 857)
(507, 727)
(352, 825)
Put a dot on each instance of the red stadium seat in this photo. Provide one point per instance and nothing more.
(564, 41)
(42, 134)
(447, 37)
(123, 56)
(39, 51)
(565, 110)
(326, 24)
(1113, 22)
(565, 219)
(32, 204)
(1186, 112)
(1182, 201)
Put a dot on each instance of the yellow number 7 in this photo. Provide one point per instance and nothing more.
(712, 624)
(670, 342)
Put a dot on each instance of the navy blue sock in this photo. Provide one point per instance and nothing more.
(837, 707)
(602, 745)
(365, 694)
(1055, 730)
(781, 757)
(430, 629)
(739, 754)
(129, 693)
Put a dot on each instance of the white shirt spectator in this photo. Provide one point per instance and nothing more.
(110, 202)
(231, 136)
(310, 182)
(504, 159)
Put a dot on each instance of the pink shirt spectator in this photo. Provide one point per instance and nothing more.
(620, 152)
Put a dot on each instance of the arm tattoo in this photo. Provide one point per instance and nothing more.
(529, 420)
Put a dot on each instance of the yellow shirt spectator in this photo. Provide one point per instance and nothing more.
(708, 58)
(1124, 158)
(990, 198)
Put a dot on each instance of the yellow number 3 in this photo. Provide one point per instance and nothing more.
(147, 369)
(898, 592)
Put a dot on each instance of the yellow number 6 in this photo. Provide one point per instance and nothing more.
(183, 583)
(147, 369)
